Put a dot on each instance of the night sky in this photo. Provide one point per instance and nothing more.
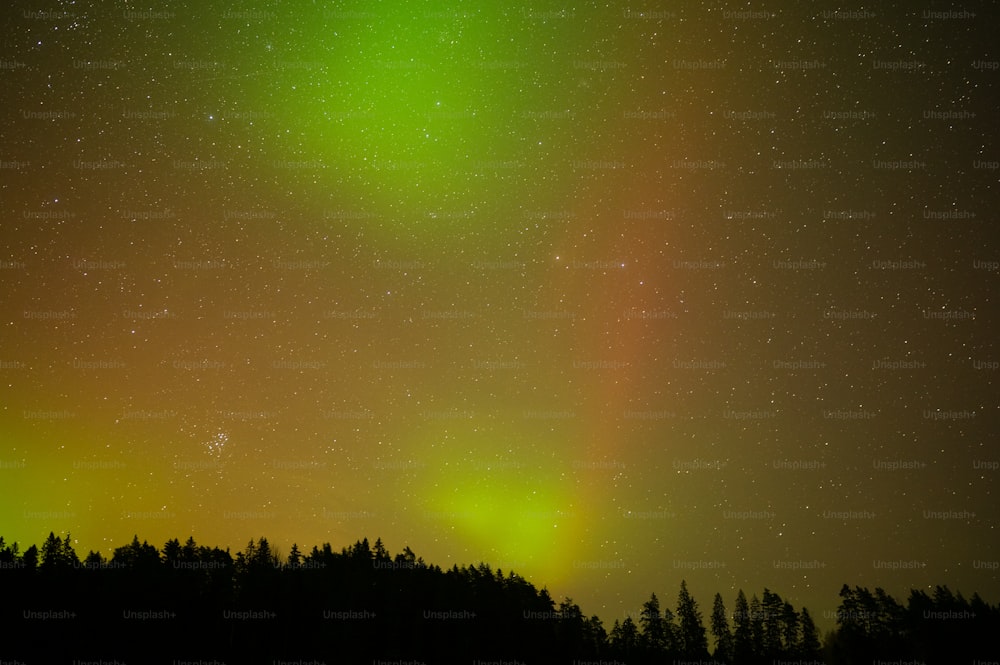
(613, 295)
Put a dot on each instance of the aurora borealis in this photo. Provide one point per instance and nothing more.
(612, 295)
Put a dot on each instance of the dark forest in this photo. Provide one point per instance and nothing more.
(189, 603)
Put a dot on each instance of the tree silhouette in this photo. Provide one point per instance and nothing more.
(743, 645)
(595, 636)
(571, 628)
(9, 554)
(361, 604)
(294, 557)
(757, 629)
(189, 553)
(720, 631)
(137, 555)
(94, 560)
(379, 553)
(30, 558)
(57, 554)
(789, 630)
(772, 609)
(625, 638)
(654, 628)
(692, 640)
(809, 644)
(172, 552)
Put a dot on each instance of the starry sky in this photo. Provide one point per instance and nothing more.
(609, 294)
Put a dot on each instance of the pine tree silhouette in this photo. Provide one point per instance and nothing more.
(361, 604)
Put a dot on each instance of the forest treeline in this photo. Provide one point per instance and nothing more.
(188, 603)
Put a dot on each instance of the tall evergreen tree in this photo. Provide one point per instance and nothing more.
(889, 622)
(58, 553)
(743, 648)
(380, 553)
(809, 645)
(693, 643)
(651, 623)
(772, 608)
(294, 556)
(189, 552)
(670, 631)
(360, 552)
(624, 638)
(265, 554)
(571, 628)
(30, 558)
(595, 636)
(756, 627)
(69, 557)
(856, 618)
(789, 630)
(52, 554)
(8, 553)
(172, 552)
(720, 631)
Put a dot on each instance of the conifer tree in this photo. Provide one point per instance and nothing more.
(743, 649)
(692, 641)
(720, 631)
